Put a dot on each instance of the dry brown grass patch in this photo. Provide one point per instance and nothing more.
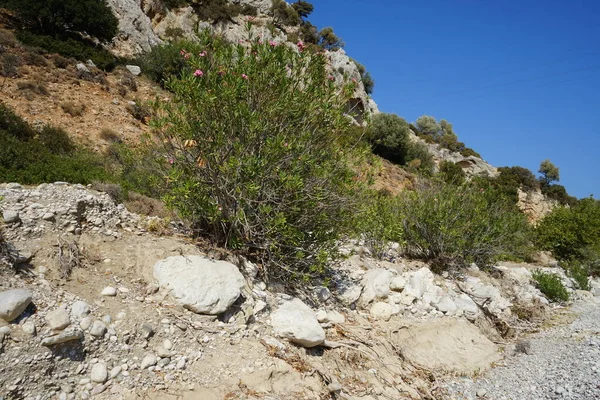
(74, 110)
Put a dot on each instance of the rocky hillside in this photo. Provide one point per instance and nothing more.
(99, 306)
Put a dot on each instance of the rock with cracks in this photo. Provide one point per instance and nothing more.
(297, 322)
(200, 284)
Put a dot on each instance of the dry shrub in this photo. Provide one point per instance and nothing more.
(7, 38)
(110, 136)
(38, 88)
(60, 61)
(157, 225)
(8, 254)
(113, 190)
(128, 80)
(122, 90)
(68, 257)
(138, 111)
(9, 65)
(74, 110)
(32, 58)
(144, 205)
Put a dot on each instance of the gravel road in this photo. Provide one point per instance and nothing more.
(562, 362)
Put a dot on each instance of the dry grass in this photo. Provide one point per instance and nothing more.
(113, 190)
(110, 136)
(7, 38)
(68, 257)
(37, 88)
(74, 110)
(144, 205)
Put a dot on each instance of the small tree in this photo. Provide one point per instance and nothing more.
(284, 14)
(329, 40)
(428, 126)
(549, 172)
(303, 8)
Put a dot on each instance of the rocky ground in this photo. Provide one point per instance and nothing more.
(101, 306)
(562, 362)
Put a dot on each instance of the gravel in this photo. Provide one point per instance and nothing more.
(562, 363)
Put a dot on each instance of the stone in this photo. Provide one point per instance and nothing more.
(446, 305)
(63, 337)
(136, 35)
(148, 361)
(481, 393)
(5, 330)
(323, 294)
(48, 217)
(86, 322)
(376, 284)
(82, 67)
(134, 69)
(419, 282)
(98, 329)
(146, 331)
(116, 371)
(349, 294)
(11, 217)
(109, 291)
(99, 373)
(466, 304)
(295, 321)
(58, 319)
(200, 284)
(397, 284)
(167, 344)
(80, 309)
(29, 328)
(381, 310)
(13, 303)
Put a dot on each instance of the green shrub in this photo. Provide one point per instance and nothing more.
(510, 179)
(70, 47)
(162, 62)
(451, 173)
(31, 157)
(388, 134)
(379, 221)
(7, 38)
(453, 226)
(418, 158)
(366, 78)
(551, 286)
(261, 157)
(579, 272)
(303, 8)
(328, 40)
(469, 152)
(572, 233)
(56, 17)
(9, 64)
(558, 193)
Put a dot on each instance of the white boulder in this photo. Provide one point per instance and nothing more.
(13, 303)
(298, 323)
(376, 284)
(200, 284)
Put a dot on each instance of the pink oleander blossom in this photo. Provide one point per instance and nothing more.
(244, 76)
(198, 73)
(202, 54)
(273, 43)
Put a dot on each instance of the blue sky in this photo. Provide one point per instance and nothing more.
(518, 79)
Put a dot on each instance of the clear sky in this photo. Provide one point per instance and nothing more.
(518, 79)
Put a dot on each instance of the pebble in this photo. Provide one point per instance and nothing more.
(99, 373)
(109, 291)
(58, 319)
(80, 309)
(148, 361)
(29, 328)
(167, 344)
(86, 323)
(98, 329)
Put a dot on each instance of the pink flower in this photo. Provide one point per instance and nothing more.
(186, 56)
(241, 41)
(182, 52)
(354, 80)
(273, 43)
(285, 144)
(331, 78)
(171, 161)
(300, 45)
(260, 42)
(198, 73)
(202, 54)
(244, 76)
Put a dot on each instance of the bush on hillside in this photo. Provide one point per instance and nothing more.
(419, 160)
(453, 226)
(328, 40)
(551, 286)
(283, 14)
(388, 134)
(162, 62)
(303, 8)
(558, 193)
(31, 157)
(379, 222)
(258, 153)
(77, 48)
(451, 173)
(469, 152)
(56, 17)
(572, 233)
(366, 78)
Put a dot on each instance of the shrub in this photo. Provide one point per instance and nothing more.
(38, 88)
(7, 38)
(328, 40)
(510, 179)
(222, 10)
(388, 135)
(283, 14)
(549, 172)
(139, 111)
(10, 64)
(558, 193)
(60, 61)
(579, 273)
(303, 8)
(74, 110)
(572, 233)
(32, 58)
(366, 78)
(451, 173)
(71, 47)
(14, 125)
(110, 136)
(113, 190)
(419, 159)
(551, 286)
(427, 126)
(260, 156)
(379, 222)
(162, 62)
(56, 140)
(469, 152)
(56, 17)
(144, 205)
(453, 226)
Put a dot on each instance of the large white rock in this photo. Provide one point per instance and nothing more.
(376, 284)
(419, 282)
(297, 322)
(13, 303)
(446, 305)
(200, 284)
(381, 310)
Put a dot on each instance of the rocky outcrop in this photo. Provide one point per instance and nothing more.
(200, 284)
(535, 205)
(135, 29)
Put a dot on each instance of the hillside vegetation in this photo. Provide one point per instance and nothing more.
(254, 150)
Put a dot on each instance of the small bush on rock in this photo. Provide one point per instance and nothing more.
(389, 136)
(551, 286)
(451, 173)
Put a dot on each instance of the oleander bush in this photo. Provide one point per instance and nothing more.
(551, 286)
